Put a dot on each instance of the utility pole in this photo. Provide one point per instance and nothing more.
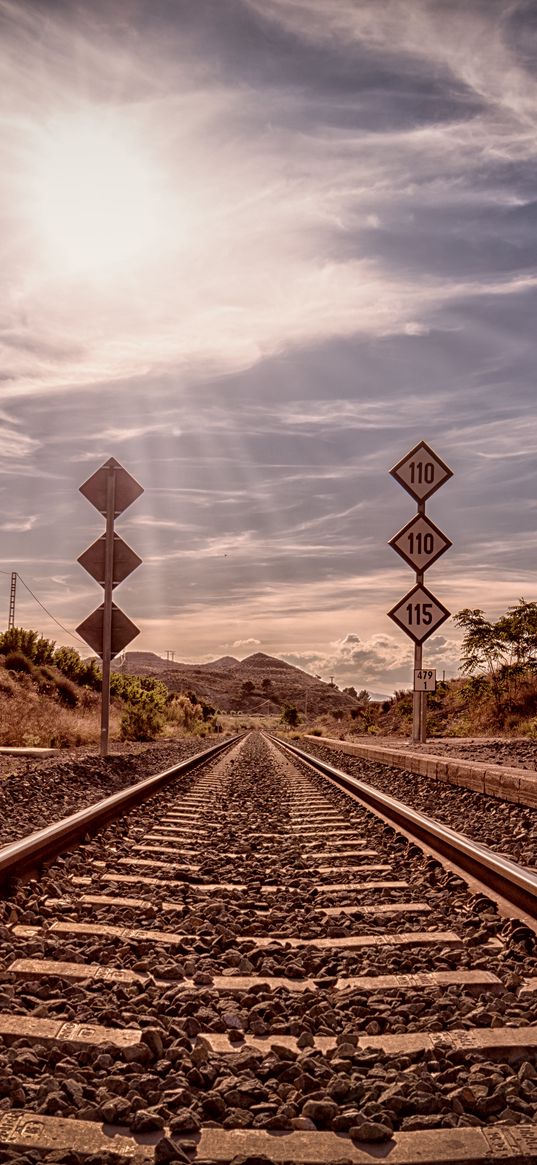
(12, 597)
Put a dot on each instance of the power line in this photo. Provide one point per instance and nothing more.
(72, 634)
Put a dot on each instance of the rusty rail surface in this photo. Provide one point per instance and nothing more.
(18, 857)
(503, 877)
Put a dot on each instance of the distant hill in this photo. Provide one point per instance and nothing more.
(225, 663)
(226, 683)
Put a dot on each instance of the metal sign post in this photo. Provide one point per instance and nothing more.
(109, 561)
(421, 472)
(107, 611)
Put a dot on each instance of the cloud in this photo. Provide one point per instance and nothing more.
(243, 200)
(14, 444)
(347, 263)
(381, 662)
(246, 643)
(20, 525)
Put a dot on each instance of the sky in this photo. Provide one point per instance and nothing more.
(256, 250)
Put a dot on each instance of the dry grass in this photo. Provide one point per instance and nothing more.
(30, 719)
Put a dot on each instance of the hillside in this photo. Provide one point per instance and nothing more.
(221, 683)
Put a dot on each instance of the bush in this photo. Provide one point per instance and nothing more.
(81, 671)
(144, 714)
(29, 643)
(185, 713)
(66, 692)
(45, 679)
(290, 715)
(16, 661)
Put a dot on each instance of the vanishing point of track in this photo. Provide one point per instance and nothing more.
(252, 963)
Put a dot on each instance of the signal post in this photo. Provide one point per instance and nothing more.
(420, 543)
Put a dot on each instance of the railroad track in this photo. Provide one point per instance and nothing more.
(256, 967)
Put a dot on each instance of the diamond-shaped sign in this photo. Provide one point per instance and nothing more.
(123, 630)
(419, 613)
(127, 489)
(420, 543)
(421, 472)
(125, 560)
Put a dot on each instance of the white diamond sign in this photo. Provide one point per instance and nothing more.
(419, 614)
(420, 543)
(421, 472)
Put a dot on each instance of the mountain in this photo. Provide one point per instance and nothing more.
(226, 683)
(225, 663)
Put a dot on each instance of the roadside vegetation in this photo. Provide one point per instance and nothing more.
(496, 695)
(50, 698)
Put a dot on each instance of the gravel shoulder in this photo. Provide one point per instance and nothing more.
(36, 793)
(507, 828)
(252, 834)
(493, 750)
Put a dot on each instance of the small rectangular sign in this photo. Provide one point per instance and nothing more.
(425, 680)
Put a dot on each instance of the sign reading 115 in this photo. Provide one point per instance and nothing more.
(418, 614)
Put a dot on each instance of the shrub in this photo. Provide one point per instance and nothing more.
(290, 715)
(186, 714)
(17, 661)
(45, 679)
(316, 732)
(82, 671)
(28, 643)
(142, 718)
(66, 692)
(145, 710)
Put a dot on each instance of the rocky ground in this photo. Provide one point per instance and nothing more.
(518, 753)
(508, 828)
(250, 835)
(34, 793)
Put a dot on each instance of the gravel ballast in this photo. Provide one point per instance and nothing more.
(36, 793)
(253, 832)
(508, 828)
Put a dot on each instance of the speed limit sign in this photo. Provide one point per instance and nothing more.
(419, 613)
(421, 472)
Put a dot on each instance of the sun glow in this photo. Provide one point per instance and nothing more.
(96, 196)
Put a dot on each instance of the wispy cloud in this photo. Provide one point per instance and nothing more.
(14, 444)
(19, 525)
(293, 198)
(340, 204)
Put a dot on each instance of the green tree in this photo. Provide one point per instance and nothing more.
(290, 715)
(350, 692)
(247, 688)
(483, 649)
(518, 629)
(506, 650)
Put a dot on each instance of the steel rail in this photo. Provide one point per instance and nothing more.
(516, 884)
(28, 853)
